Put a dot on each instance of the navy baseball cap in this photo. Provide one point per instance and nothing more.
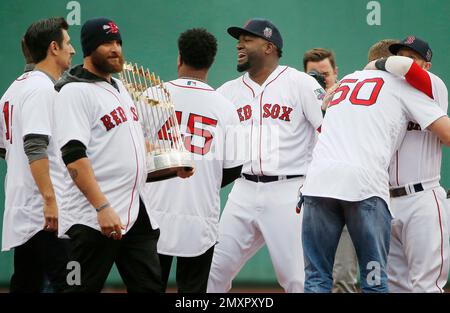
(261, 28)
(413, 43)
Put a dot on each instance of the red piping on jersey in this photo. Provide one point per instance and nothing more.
(319, 129)
(260, 132)
(191, 87)
(396, 161)
(10, 130)
(18, 79)
(442, 242)
(276, 77)
(419, 79)
(248, 86)
(135, 180)
(260, 117)
(251, 149)
(137, 161)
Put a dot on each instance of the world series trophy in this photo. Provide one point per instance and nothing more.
(166, 153)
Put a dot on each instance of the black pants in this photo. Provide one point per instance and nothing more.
(135, 256)
(192, 272)
(43, 257)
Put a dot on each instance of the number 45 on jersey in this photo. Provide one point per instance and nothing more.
(193, 128)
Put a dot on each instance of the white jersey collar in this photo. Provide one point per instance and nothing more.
(191, 83)
(258, 89)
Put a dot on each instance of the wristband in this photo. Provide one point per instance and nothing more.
(104, 206)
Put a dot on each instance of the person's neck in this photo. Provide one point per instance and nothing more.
(87, 64)
(50, 68)
(260, 75)
(190, 73)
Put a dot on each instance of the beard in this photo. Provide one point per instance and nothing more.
(253, 62)
(243, 67)
(104, 64)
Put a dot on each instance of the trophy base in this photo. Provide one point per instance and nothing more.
(166, 165)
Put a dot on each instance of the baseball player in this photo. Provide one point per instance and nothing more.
(364, 125)
(345, 268)
(34, 182)
(189, 222)
(280, 109)
(419, 257)
(103, 147)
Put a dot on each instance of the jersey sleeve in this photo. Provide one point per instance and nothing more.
(225, 89)
(36, 111)
(233, 135)
(311, 96)
(440, 92)
(73, 116)
(413, 73)
(420, 107)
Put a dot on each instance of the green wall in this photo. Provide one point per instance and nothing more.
(150, 30)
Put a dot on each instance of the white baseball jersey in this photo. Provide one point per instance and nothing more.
(419, 157)
(106, 122)
(419, 256)
(362, 129)
(27, 109)
(189, 221)
(280, 119)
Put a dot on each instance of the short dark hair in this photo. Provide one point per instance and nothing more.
(279, 52)
(197, 48)
(317, 55)
(41, 33)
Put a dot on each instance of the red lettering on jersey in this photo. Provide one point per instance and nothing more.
(266, 108)
(247, 112)
(239, 112)
(343, 89)
(135, 116)
(286, 112)
(107, 122)
(201, 132)
(116, 119)
(244, 113)
(373, 96)
(275, 111)
(122, 114)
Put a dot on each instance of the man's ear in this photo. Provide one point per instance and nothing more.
(270, 47)
(53, 48)
(427, 65)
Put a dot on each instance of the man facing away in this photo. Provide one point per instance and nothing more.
(364, 125)
(189, 222)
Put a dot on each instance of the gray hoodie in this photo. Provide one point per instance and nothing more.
(80, 75)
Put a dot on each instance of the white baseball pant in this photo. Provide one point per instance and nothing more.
(419, 255)
(258, 213)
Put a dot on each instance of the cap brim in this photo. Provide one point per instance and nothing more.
(235, 32)
(394, 48)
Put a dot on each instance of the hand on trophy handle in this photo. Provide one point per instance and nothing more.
(185, 172)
